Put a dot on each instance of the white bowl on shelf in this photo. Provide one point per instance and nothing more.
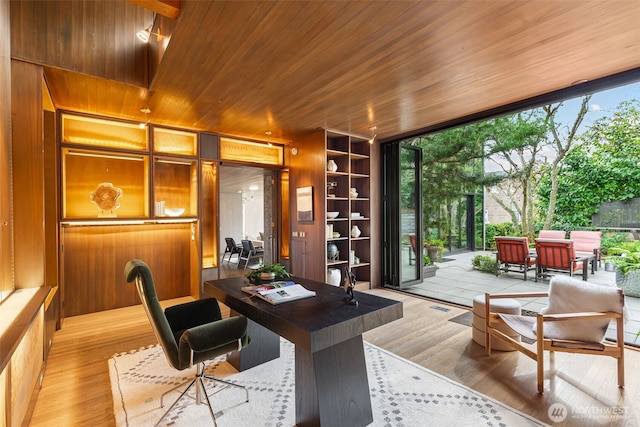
(332, 215)
(174, 211)
(356, 215)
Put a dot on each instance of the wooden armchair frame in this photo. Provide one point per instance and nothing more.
(546, 344)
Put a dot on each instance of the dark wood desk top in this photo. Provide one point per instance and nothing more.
(313, 323)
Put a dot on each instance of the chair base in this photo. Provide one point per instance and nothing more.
(201, 395)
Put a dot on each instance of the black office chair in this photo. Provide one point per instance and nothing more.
(249, 252)
(232, 248)
(189, 333)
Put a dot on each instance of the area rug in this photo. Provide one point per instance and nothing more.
(402, 394)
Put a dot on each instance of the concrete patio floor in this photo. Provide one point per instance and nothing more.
(457, 282)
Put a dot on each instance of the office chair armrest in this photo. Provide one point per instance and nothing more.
(213, 335)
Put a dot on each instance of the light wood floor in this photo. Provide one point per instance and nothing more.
(76, 389)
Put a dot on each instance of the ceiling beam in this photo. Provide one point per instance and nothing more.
(168, 8)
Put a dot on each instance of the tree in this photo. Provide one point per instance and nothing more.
(605, 167)
(562, 144)
(453, 163)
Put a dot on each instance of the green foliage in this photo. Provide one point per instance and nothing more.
(426, 260)
(278, 269)
(501, 229)
(434, 242)
(604, 168)
(626, 258)
(613, 240)
(485, 263)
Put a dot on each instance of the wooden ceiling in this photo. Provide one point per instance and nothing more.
(244, 67)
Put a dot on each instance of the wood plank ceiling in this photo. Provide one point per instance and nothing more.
(242, 68)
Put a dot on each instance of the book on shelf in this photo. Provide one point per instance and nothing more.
(279, 292)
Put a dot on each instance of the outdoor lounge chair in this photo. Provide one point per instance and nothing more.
(575, 321)
(513, 254)
(587, 243)
(558, 256)
(552, 234)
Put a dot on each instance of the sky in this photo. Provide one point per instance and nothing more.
(602, 104)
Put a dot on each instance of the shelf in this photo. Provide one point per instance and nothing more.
(171, 141)
(86, 172)
(95, 132)
(351, 155)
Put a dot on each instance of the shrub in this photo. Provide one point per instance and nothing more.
(501, 229)
(485, 263)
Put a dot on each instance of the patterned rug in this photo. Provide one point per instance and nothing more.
(402, 394)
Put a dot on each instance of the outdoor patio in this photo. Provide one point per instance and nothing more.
(457, 282)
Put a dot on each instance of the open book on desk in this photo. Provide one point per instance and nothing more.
(279, 292)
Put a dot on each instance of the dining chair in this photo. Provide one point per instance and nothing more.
(513, 255)
(231, 249)
(249, 252)
(575, 321)
(558, 256)
(190, 334)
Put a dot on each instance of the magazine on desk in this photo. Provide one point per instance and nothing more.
(279, 292)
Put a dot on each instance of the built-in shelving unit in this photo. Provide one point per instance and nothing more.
(110, 173)
(129, 191)
(350, 155)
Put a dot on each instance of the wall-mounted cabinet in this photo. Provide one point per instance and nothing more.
(348, 207)
(106, 170)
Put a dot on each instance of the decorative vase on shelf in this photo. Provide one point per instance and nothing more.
(334, 276)
(332, 166)
(355, 231)
(332, 252)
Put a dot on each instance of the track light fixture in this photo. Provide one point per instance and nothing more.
(268, 133)
(144, 35)
(373, 134)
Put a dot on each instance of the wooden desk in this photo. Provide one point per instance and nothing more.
(331, 374)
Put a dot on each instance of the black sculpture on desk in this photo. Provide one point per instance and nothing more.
(349, 282)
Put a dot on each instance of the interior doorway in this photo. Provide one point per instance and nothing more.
(246, 213)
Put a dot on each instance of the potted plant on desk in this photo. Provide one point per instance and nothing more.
(268, 272)
(626, 260)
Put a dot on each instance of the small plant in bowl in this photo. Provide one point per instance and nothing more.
(268, 272)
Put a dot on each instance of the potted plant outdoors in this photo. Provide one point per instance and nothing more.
(626, 260)
(268, 272)
(435, 249)
(429, 269)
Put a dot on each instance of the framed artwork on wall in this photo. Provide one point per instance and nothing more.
(304, 203)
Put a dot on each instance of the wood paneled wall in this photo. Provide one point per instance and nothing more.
(28, 174)
(94, 258)
(308, 252)
(90, 37)
(6, 260)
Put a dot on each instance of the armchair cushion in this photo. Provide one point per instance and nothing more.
(593, 298)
